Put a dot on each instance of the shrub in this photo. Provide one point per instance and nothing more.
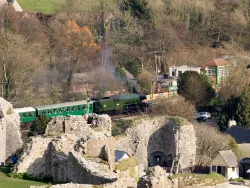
(178, 107)
(10, 111)
(40, 124)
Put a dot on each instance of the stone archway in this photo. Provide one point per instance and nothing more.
(159, 158)
(156, 158)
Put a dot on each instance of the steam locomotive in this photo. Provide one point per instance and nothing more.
(109, 105)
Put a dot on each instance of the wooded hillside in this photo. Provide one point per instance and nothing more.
(76, 39)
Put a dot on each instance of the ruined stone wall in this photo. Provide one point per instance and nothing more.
(10, 133)
(32, 161)
(100, 126)
(85, 171)
(2, 137)
(94, 147)
(169, 135)
(64, 157)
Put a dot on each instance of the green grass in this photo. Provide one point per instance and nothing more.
(127, 163)
(7, 182)
(203, 179)
(42, 6)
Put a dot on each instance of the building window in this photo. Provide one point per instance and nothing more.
(211, 72)
(213, 168)
(222, 72)
(233, 169)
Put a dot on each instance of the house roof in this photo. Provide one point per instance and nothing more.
(240, 134)
(225, 158)
(215, 62)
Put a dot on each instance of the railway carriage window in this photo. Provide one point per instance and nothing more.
(79, 108)
(24, 115)
(73, 108)
(60, 110)
(67, 109)
(84, 107)
(43, 113)
(30, 114)
(49, 112)
(54, 111)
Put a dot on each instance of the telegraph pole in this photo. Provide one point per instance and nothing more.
(159, 60)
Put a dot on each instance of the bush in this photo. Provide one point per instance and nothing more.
(40, 124)
(178, 107)
(145, 81)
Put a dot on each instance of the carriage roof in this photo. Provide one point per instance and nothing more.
(25, 109)
(60, 105)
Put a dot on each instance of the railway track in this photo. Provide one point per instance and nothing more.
(126, 116)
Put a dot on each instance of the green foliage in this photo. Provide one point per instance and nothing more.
(132, 66)
(236, 108)
(40, 124)
(137, 8)
(11, 175)
(196, 88)
(228, 112)
(127, 163)
(242, 115)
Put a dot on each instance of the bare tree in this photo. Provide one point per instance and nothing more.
(209, 142)
(235, 84)
(18, 60)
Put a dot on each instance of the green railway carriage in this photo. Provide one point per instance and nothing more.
(116, 103)
(26, 114)
(64, 109)
(120, 103)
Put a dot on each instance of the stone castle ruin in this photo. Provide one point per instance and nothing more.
(10, 134)
(161, 141)
(83, 151)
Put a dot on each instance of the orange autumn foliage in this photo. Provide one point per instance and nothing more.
(83, 36)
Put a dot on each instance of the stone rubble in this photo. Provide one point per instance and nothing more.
(156, 177)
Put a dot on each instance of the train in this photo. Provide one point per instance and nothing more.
(109, 105)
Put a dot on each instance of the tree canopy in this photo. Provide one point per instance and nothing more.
(195, 88)
(237, 108)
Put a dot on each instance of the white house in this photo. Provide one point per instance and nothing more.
(225, 163)
(177, 71)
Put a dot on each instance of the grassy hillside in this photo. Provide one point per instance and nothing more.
(7, 182)
(43, 6)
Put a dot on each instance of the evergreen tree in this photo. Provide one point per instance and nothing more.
(242, 114)
(196, 88)
(40, 124)
(228, 112)
(138, 8)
